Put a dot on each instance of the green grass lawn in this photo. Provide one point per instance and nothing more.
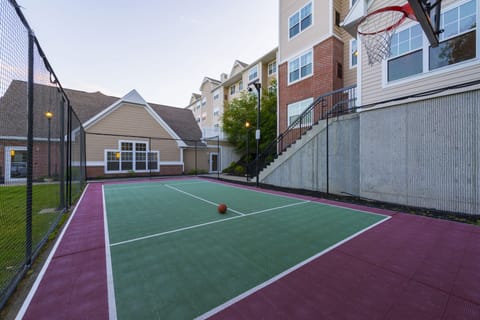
(12, 223)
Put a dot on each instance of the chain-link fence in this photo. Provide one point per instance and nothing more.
(40, 137)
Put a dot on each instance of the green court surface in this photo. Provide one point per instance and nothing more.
(175, 257)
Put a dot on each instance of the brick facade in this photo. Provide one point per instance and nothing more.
(327, 62)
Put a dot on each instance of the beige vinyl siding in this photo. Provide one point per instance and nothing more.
(319, 30)
(349, 74)
(375, 90)
(129, 120)
(203, 155)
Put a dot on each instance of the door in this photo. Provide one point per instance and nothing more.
(213, 162)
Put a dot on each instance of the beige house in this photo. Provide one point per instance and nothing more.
(126, 136)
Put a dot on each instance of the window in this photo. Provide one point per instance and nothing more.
(204, 116)
(272, 89)
(353, 53)
(216, 95)
(232, 90)
(240, 85)
(458, 41)
(296, 109)
(300, 67)
(300, 20)
(253, 74)
(204, 101)
(198, 105)
(409, 54)
(337, 18)
(272, 68)
(131, 156)
(405, 53)
(198, 119)
(216, 112)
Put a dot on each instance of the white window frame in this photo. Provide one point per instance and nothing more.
(216, 111)
(352, 53)
(8, 163)
(299, 13)
(299, 58)
(134, 160)
(426, 72)
(302, 105)
(204, 101)
(240, 85)
(232, 90)
(253, 74)
(272, 68)
(216, 95)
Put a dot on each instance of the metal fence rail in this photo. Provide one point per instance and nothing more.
(331, 104)
(39, 134)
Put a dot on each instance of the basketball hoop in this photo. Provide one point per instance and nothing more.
(376, 30)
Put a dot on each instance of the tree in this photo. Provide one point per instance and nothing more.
(244, 109)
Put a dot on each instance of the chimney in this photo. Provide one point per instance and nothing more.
(223, 77)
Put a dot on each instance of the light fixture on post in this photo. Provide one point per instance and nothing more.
(247, 125)
(258, 87)
(49, 116)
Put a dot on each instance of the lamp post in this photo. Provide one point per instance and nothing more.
(49, 116)
(258, 87)
(247, 125)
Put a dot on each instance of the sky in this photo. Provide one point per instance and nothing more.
(161, 48)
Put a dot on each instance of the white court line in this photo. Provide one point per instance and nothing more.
(227, 184)
(202, 224)
(112, 306)
(188, 183)
(283, 274)
(33, 290)
(204, 200)
(285, 206)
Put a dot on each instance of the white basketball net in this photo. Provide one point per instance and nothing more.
(376, 33)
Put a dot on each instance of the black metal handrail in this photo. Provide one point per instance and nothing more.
(333, 103)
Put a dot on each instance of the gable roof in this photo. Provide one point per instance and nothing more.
(86, 105)
(236, 64)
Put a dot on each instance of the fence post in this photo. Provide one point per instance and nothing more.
(62, 153)
(30, 88)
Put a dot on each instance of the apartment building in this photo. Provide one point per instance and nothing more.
(208, 105)
(315, 54)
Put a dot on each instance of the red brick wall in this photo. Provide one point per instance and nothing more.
(169, 170)
(326, 56)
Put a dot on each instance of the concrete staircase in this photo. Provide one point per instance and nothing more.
(315, 130)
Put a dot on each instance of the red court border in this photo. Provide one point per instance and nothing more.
(409, 267)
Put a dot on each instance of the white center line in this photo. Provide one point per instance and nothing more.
(204, 200)
(204, 224)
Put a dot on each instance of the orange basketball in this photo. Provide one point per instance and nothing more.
(222, 208)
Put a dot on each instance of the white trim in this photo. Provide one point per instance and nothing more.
(248, 75)
(112, 306)
(210, 162)
(285, 273)
(426, 72)
(351, 53)
(8, 163)
(170, 163)
(95, 163)
(19, 138)
(300, 20)
(36, 284)
(299, 57)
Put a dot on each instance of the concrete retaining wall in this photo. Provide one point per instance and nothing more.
(423, 154)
